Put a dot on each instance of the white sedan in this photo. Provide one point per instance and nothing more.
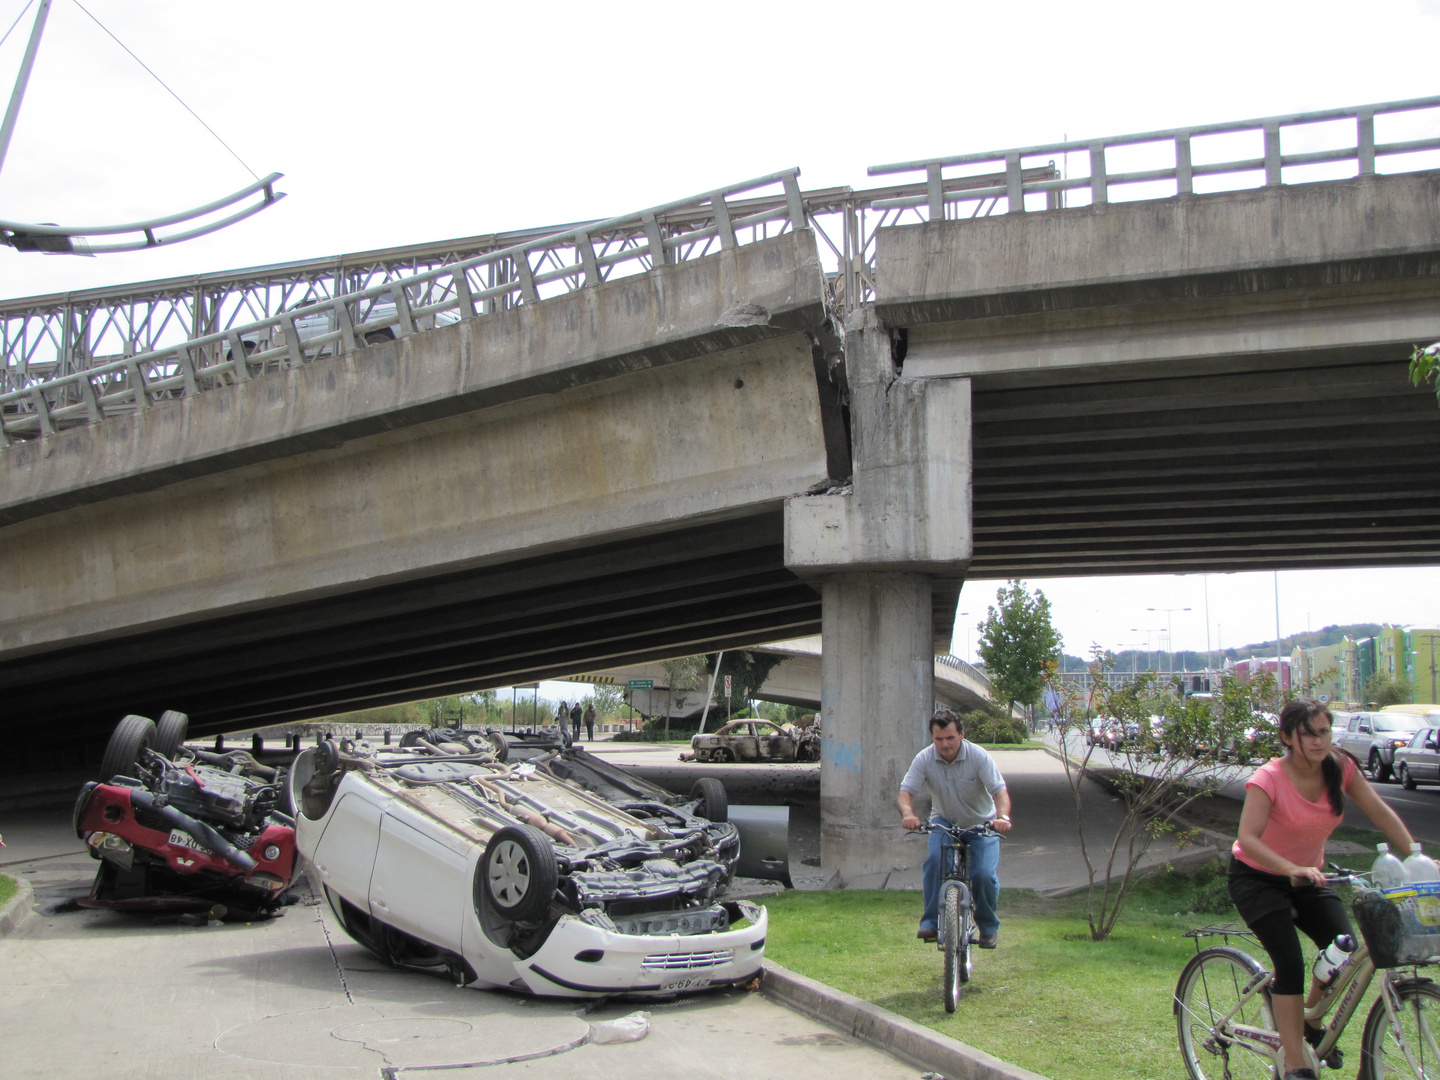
(495, 874)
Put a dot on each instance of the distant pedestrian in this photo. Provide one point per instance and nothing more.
(589, 721)
(575, 722)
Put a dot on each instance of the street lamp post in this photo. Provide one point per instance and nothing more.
(1169, 638)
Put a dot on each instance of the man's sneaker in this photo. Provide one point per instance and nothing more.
(989, 941)
(928, 934)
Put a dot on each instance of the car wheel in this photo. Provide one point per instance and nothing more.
(1405, 778)
(722, 755)
(496, 739)
(170, 732)
(327, 757)
(714, 803)
(132, 734)
(517, 874)
(1378, 770)
(375, 337)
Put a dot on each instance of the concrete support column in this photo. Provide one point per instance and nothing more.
(877, 688)
(877, 550)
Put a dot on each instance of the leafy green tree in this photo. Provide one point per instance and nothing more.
(1017, 644)
(748, 672)
(1425, 365)
(609, 699)
(1383, 690)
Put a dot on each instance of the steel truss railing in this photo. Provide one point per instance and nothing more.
(950, 660)
(1166, 163)
(76, 358)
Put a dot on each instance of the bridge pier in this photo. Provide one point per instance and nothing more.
(887, 553)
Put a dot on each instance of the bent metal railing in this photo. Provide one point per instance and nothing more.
(75, 358)
(531, 270)
(1183, 161)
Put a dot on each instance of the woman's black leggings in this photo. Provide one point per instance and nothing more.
(1321, 917)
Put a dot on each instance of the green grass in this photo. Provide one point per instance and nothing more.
(7, 888)
(1048, 999)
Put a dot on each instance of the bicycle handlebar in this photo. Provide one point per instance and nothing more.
(985, 828)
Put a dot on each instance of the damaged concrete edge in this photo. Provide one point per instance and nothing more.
(904, 1039)
(18, 910)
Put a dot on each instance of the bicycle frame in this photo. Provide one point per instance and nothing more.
(1343, 996)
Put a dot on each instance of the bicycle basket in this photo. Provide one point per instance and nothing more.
(1401, 925)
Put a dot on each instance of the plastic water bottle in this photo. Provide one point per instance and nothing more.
(1389, 872)
(1419, 866)
(1333, 958)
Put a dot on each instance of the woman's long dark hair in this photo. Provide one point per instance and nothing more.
(1295, 720)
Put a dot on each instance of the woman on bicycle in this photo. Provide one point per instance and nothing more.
(1292, 805)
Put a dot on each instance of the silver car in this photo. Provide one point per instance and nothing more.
(1418, 761)
(1373, 737)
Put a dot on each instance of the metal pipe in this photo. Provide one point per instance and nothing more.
(22, 80)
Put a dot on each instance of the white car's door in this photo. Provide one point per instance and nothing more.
(420, 884)
(345, 855)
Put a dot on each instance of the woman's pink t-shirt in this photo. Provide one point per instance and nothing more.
(1298, 828)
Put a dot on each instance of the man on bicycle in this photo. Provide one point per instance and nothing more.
(966, 789)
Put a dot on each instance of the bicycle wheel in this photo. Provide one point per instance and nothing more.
(1381, 1053)
(1207, 1001)
(950, 930)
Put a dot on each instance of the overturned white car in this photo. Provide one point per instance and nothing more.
(444, 859)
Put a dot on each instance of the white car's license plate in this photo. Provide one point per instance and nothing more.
(180, 838)
(686, 982)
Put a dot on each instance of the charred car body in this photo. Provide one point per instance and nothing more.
(519, 873)
(181, 829)
(757, 740)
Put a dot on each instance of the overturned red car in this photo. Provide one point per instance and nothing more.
(179, 829)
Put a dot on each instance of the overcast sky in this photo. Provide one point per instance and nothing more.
(437, 119)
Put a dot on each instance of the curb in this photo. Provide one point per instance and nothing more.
(904, 1039)
(18, 909)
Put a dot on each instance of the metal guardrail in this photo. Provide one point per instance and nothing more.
(952, 661)
(75, 358)
(578, 257)
(1188, 147)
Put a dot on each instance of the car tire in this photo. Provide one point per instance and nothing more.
(132, 735)
(1406, 780)
(375, 337)
(1378, 770)
(170, 732)
(714, 803)
(517, 874)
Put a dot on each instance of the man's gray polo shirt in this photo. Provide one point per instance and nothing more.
(961, 791)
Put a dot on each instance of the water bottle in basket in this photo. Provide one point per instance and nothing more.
(1388, 871)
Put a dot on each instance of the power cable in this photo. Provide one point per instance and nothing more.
(161, 81)
(17, 20)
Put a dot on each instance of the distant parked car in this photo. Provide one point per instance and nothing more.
(1373, 737)
(1418, 761)
(757, 740)
(376, 324)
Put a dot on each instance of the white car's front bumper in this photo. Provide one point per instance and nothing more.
(581, 960)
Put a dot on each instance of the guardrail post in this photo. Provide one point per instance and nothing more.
(586, 250)
(1014, 185)
(187, 369)
(795, 202)
(42, 412)
(722, 221)
(402, 308)
(658, 255)
(293, 347)
(527, 277)
(1184, 170)
(464, 298)
(935, 192)
(1099, 181)
(240, 365)
(92, 403)
(345, 323)
(1272, 154)
(137, 385)
(1365, 140)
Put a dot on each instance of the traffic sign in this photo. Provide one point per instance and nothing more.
(727, 685)
(641, 684)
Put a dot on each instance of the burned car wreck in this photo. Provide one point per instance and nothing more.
(442, 858)
(177, 829)
(756, 740)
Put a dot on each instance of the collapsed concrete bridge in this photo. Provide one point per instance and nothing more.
(581, 468)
